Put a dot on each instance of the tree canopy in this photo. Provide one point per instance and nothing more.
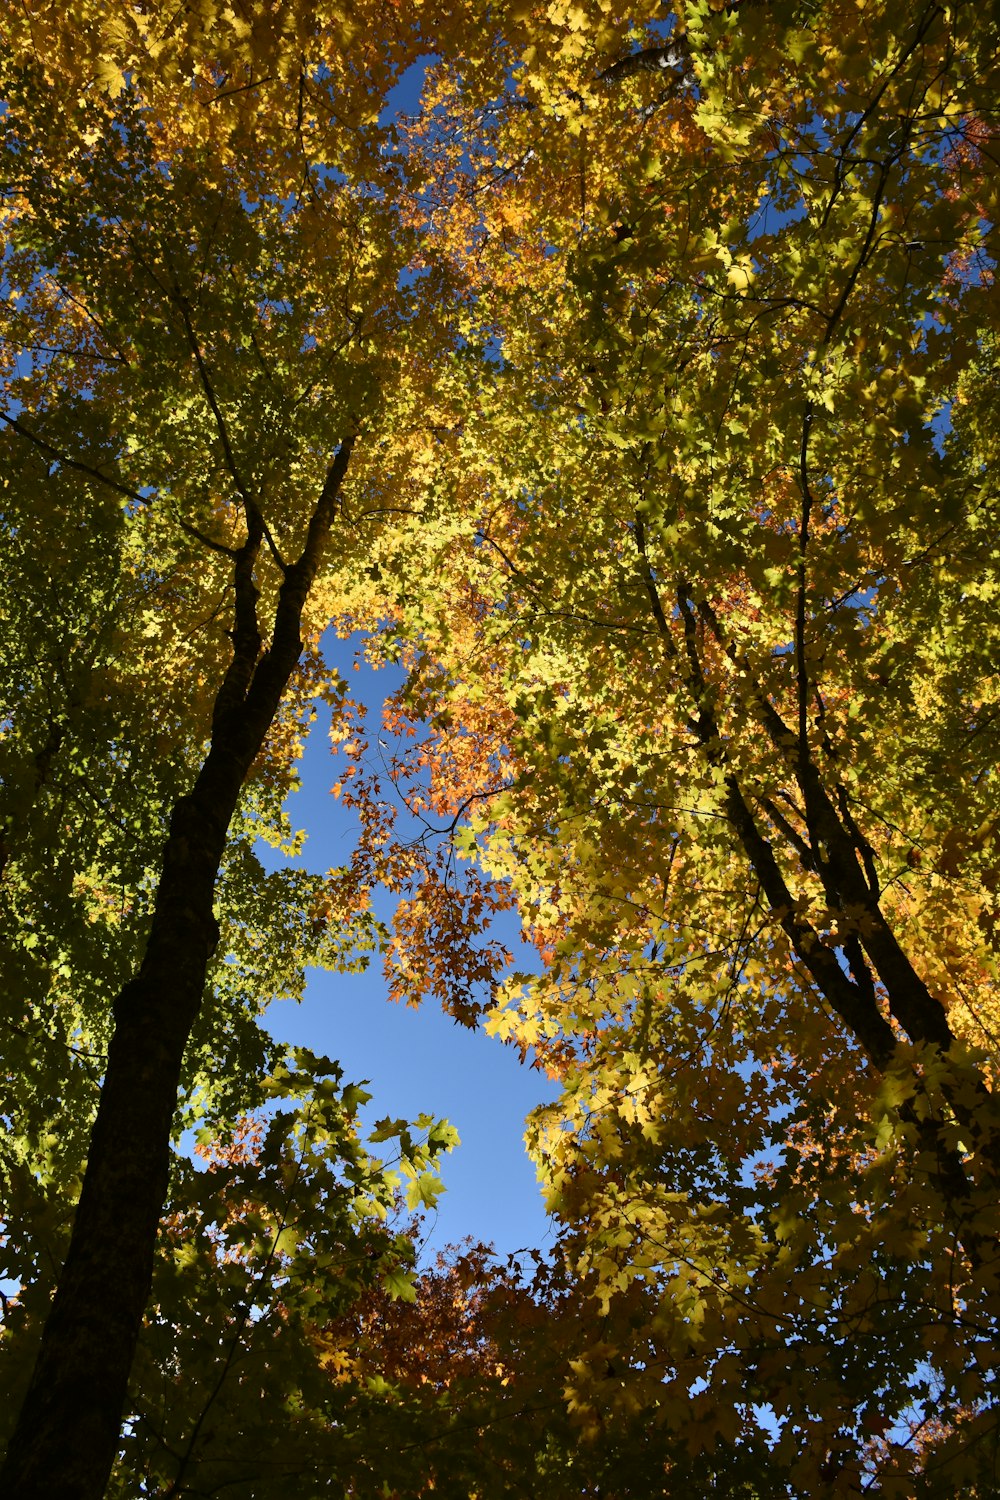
(634, 391)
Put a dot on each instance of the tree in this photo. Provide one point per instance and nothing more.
(204, 335)
(719, 705)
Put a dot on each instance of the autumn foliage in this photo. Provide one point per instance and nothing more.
(632, 388)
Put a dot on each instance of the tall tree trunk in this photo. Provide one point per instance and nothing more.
(67, 1435)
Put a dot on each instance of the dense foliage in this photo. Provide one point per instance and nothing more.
(635, 392)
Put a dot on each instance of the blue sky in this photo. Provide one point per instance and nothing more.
(417, 1061)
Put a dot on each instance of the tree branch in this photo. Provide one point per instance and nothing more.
(673, 55)
(851, 1004)
(649, 579)
(206, 541)
(58, 456)
(251, 506)
(801, 667)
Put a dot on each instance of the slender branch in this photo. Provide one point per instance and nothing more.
(801, 845)
(862, 845)
(801, 666)
(854, 1007)
(649, 579)
(845, 883)
(870, 109)
(515, 571)
(206, 384)
(272, 546)
(834, 317)
(69, 462)
(257, 83)
(207, 540)
(250, 504)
